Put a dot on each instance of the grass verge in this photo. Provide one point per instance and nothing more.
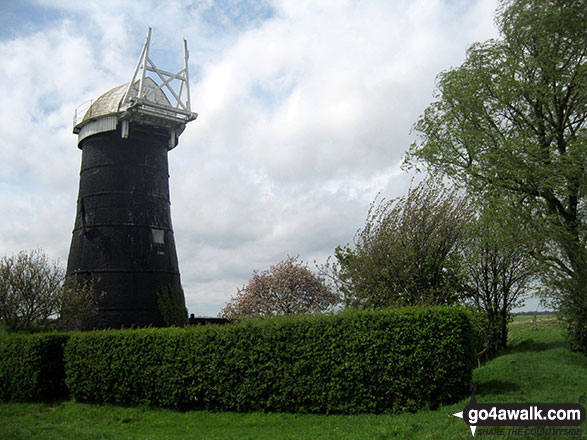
(537, 368)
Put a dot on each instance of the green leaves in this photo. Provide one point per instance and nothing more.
(32, 367)
(171, 304)
(353, 362)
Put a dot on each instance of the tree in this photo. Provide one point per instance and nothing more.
(34, 293)
(499, 272)
(288, 288)
(408, 253)
(510, 121)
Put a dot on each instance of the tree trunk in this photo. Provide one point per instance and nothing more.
(504, 328)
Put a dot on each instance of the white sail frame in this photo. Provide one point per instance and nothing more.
(145, 64)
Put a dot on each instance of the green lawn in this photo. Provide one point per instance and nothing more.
(536, 368)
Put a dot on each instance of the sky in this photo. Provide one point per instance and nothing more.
(305, 112)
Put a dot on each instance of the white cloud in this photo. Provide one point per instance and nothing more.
(322, 92)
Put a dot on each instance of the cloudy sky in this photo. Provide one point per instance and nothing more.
(305, 110)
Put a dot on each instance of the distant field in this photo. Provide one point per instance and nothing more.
(536, 368)
(529, 318)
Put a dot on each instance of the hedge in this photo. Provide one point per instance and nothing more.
(32, 367)
(353, 362)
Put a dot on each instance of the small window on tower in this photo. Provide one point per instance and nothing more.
(158, 236)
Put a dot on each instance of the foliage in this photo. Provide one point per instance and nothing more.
(288, 288)
(571, 302)
(387, 361)
(408, 253)
(32, 367)
(510, 121)
(33, 290)
(499, 273)
(77, 301)
(482, 334)
(171, 304)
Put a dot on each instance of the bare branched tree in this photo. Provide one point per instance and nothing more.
(500, 272)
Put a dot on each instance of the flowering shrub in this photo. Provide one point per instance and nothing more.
(288, 288)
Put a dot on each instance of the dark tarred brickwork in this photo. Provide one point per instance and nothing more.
(123, 237)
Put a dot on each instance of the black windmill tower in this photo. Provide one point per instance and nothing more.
(123, 238)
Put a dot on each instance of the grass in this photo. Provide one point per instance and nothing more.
(537, 368)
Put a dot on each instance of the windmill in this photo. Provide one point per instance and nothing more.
(123, 237)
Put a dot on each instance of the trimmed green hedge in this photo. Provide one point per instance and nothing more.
(32, 367)
(353, 362)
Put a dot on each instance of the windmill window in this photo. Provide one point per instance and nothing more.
(158, 236)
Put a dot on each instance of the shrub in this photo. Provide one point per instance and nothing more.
(34, 291)
(32, 367)
(354, 362)
(408, 253)
(288, 288)
(171, 302)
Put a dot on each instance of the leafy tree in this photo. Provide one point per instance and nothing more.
(510, 121)
(34, 293)
(499, 272)
(408, 253)
(288, 288)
